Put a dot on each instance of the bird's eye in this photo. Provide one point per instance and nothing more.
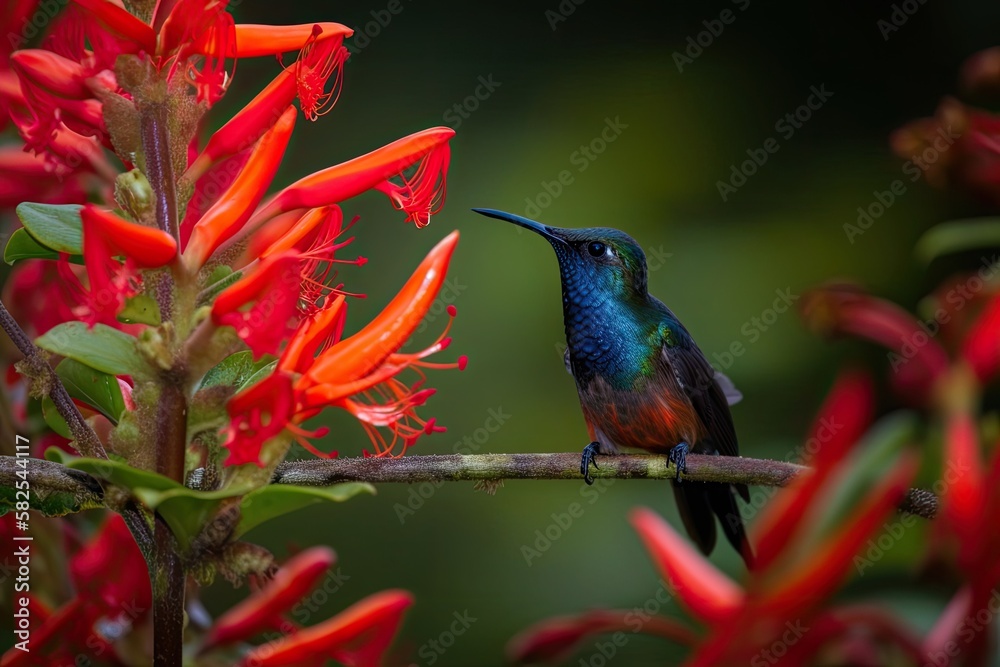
(596, 249)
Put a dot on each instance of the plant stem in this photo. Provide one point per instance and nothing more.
(495, 467)
(155, 132)
(166, 568)
(87, 442)
(168, 579)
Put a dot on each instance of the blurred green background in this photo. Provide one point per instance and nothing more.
(719, 263)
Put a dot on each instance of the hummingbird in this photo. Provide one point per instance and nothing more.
(643, 382)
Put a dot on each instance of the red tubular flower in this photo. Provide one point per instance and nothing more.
(318, 370)
(981, 348)
(358, 636)
(105, 236)
(966, 142)
(236, 205)
(264, 609)
(846, 310)
(273, 289)
(420, 196)
(323, 55)
(148, 247)
(359, 355)
(28, 177)
(708, 593)
(963, 500)
(842, 419)
(112, 594)
(554, 640)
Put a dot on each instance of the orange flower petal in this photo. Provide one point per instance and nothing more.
(146, 246)
(358, 636)
(366, 350)
(312, 333)
(228, 215)
(349, 179)
(263, 609)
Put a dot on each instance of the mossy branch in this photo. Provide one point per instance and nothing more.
(495, 467)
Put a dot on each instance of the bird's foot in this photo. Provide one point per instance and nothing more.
(678, 456)
(589, 456)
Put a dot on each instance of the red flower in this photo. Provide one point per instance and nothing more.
(919, 361)
(319, 369)
(358, 637)
(112, 596)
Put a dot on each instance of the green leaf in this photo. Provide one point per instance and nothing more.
(276, 500)
(185, 510)
(57, 227)
(233, 371)
(141, 309)
(96, 389)
(259, 374)
(958, 235)
(21, 245)
(102, 348)
(221, 278)
(54, 419)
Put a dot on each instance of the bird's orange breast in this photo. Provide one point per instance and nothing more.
(653, 420)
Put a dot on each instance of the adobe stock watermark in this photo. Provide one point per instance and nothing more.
(786, 127)
(759, 495)
(562, 522)
(470, 443)
(900, 14)
(966, 631)
(777, 649)
(432, 650)
(303, 612)
(894, 530)
(461, 111)
(958, 297)
(581, 159)
(635, 619)
(33, 26)
(913, 169)
(754, 328)
(697, 43)
(450, 291)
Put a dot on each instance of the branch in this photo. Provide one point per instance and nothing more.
(494, 467)
(87, 442)
(55, 489)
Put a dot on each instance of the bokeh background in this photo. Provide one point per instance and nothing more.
(718, 263)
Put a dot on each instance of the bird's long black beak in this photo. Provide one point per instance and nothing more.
(549, 233)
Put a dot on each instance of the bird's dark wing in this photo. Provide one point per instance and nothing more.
(697, 377)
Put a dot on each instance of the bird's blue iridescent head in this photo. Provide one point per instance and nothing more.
(591, 259)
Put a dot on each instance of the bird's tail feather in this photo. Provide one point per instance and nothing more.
(697, 502)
